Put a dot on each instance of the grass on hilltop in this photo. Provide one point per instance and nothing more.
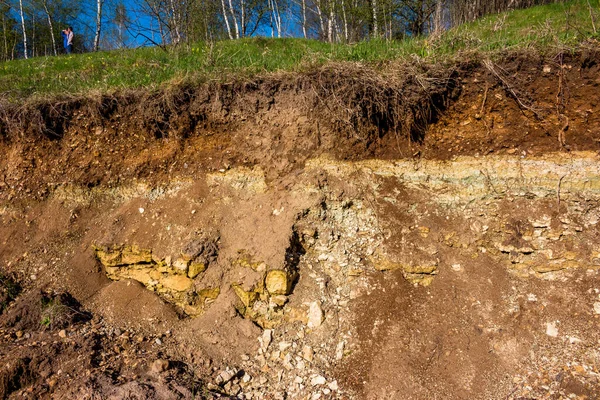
(559, 25)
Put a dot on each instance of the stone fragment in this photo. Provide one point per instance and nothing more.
(140, 275)
(225, 376)
(159, 366)
(597, 308)
(108, 258)
(247, 298)
(211, 294)
(339, 350)
(178, 283)
(307, 353)
(181, 264)
(279, 300)
(195, 269)
(278, 282)
(315, 315)
(266, 338)
(551, 329)
(318, 380)
(62, 333)
(135, 255)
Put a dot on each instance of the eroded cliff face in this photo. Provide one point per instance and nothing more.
(304, 274)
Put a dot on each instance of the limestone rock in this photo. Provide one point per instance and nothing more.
(265, 339)
(315, 315)
(211, 294)
(178, 283)
(195, 269)
(247, 298)
(109, 258)
(317, 380)
(135, 255)
(159, 366)
(181, 264)
(551, 329)
(278, 282)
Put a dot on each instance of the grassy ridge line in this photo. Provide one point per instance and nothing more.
(544, 27)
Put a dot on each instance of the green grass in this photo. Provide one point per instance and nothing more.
(545, 27)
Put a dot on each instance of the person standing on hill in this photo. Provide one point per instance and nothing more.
(67, 35)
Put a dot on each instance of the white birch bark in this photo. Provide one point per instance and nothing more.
(243, 24)
(321, 22)
(50, 25)
(226, 18)
(23, 28)
(235, 23)
(304, 18)
(275, 18)
(330, 23)
(99, 4)
(375, 24)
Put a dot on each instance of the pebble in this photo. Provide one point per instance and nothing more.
(225, 376)
(597, 308)
(317, 380)
(307, 353)
(315, 315)
(551, 329)
(62, 333)
(339, 350)
(159, 366)
(158, 341)
(266, 339)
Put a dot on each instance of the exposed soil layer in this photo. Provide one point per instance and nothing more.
(423, 232)
(522, 103)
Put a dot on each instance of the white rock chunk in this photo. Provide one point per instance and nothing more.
(551, 329)
(315, 315)
(318, 380)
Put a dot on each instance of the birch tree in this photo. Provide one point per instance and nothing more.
(99, 5)
(23, 29)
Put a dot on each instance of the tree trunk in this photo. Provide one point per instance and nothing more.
(50, 25)
(23, 28)
(345, 21)
(235, 24)
(375, 25)
(438, 26)
(226, 18)
(243, 17)
(304, 18)
(99, 4)
(321, 22)
(330, 23)
(5, 38)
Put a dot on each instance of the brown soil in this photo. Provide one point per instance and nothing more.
(233, 161)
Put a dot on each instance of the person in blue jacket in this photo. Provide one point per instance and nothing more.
(67, 35)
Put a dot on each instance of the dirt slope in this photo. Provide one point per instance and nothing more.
(423, 232)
